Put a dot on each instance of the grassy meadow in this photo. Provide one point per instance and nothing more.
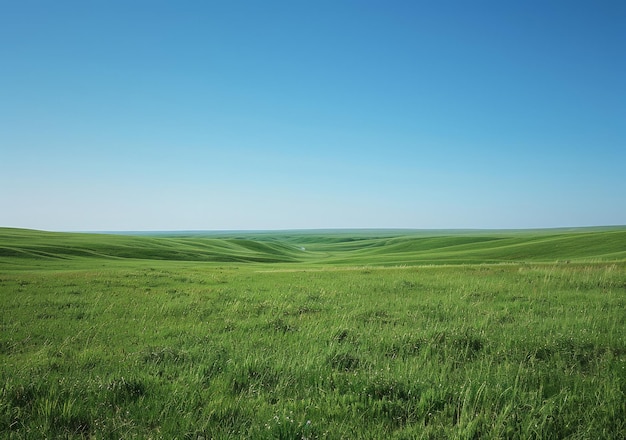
(314, 334)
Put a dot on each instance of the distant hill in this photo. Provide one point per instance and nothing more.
(337, 247)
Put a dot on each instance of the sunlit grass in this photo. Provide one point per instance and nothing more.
(163, 349)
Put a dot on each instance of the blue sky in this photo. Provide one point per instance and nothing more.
(155, 115)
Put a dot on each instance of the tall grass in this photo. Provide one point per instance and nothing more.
(151, 349)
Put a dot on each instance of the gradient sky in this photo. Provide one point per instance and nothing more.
(179, 115)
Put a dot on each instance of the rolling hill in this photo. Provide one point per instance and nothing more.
(334, 247)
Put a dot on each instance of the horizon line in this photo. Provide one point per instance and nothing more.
(327, 230)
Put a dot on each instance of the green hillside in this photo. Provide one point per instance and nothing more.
(497, 248)
(313, 334)
(28, 244)
(384, 247)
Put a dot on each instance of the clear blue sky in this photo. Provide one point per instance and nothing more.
(177, 115)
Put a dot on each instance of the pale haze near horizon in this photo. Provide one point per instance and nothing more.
(296, 115)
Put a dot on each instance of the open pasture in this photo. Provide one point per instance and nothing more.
(314, 334)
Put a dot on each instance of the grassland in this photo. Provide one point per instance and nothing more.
(314, 334)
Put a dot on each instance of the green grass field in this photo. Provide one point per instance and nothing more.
(314, 334)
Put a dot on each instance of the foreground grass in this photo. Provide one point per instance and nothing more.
(165, 349)
(502, 351)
